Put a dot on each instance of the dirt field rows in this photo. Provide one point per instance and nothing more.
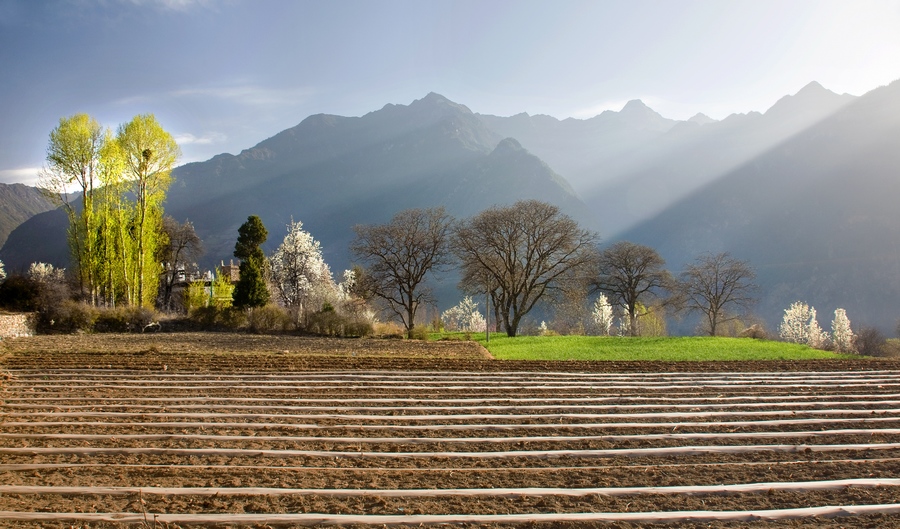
(167, 434)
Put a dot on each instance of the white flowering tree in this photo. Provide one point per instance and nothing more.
(46, 274)
(347, 285)
(799, 325)
(464, 317)
(842, 337)
(602, 315)
(301, 277)
(2, 272)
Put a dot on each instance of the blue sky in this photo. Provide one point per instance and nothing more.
(222, 76)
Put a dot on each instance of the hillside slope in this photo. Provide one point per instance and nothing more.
(18, 203)
(815, 214)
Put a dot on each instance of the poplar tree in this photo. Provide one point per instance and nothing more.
(115, 212)
(73, 158)
(149, 154)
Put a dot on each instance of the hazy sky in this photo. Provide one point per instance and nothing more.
(222, 76)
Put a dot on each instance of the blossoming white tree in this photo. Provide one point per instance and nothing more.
(347, 284)
(464, 317)
(799, 325)
(45, 273)
(301, 277)
(842, 337)
(2, 272)
(602, 314)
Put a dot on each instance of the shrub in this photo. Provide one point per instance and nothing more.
(755, 331)
(268, 318)
(20, 294)
(195, 296)
(387, 329)
(324, 322)
(331, 323)
(124, 319)
(891, 348)
(419, 332)
(215, 318)
(870, 342)
(68, 316)
(231, 318)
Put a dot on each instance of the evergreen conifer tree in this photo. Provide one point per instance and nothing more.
(251, 290)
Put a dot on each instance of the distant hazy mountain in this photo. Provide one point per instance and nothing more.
(18, 203)
(333, 172)
(40, 239)
(630, 165)
(816, 213)
(577, 147)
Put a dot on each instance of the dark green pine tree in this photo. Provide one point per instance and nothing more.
(251, 290)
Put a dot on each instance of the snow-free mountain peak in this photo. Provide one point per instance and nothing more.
(701, 119)
(812, 99)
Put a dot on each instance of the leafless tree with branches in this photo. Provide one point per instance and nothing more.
(400, 254)
(520, 253)
(720, 287)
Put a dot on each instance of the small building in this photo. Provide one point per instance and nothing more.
(231, 271)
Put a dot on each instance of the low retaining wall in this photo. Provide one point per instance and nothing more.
(14, 325)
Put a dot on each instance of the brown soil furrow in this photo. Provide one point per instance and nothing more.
(197, 430)
(277, 518)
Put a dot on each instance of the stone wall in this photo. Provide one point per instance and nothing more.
(13, 325)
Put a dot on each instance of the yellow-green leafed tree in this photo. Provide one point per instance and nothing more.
(149, 154)
(114, 211)
(73, 160)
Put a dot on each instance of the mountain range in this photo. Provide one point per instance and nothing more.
(19, 203)
(802, 191)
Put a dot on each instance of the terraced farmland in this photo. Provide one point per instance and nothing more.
(249, 443)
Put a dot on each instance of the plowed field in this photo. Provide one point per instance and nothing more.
(224, 430)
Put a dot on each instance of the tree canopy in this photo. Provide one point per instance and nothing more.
(718, 286)
(634, 277)
(519, 253)
(299, 272)
(400, 254)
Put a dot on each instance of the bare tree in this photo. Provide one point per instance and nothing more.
(521, 252)
(634, 277)
(400, 254)
(181, 246)
(720, 287)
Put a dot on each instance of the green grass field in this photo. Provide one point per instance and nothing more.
(670, 349)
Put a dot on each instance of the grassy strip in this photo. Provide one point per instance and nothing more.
(667, 349)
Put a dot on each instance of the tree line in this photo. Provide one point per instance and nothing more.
(528, 253)
(518, 257)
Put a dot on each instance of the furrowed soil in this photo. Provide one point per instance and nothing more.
(186, 430)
